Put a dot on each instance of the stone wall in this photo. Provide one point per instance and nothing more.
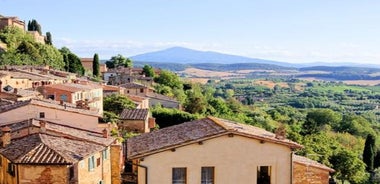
(306, 174)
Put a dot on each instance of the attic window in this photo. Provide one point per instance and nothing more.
(42, 114)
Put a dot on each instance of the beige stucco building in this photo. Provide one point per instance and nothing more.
(212, 150)
(51, 110)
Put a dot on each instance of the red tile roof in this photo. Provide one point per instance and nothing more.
(48, 149)
(134, 114)
(48, 104)
(194, 131)
(308, 162)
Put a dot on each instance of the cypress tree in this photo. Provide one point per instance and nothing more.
(369, 152)
(48, 39)
(95, 66)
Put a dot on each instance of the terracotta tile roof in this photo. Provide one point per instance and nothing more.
(312, 163)
(61, 128)
(194, 131)
(132, 85)
(160, 97)
(134, 114)
(47, 149)
(111, 88)
(48, 104)
(71, 87)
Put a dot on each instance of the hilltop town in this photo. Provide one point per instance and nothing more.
(76, 120)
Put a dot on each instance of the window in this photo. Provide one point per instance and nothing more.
(179, 175)
(91, 163)
(207, 175)
(11, 169)
(101, 182)
(42, 114)
(105, 154)
(142, 90)
(64, 98)
(264, 174)
(97, 162)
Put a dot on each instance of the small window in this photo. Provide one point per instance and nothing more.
(142, 90)
(101, 182)
(264, 174)
(64, 98)
(97, 162)
(105, 154)
(179, 175)
(207, 175)
(91, 163)
(11, 169)
(42, 114)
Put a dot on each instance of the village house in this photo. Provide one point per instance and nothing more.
(51, 110)
(122, 75)
(140, 101)
(136, 89)
(11, 21)
(87, 65)
(31, 77)
(307, 171)
(44, 152)
(212, 150)
(136, 120)
(87, 96)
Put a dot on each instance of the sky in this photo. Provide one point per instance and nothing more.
(296, 31)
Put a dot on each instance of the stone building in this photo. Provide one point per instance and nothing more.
(40, 151)
(136, 120)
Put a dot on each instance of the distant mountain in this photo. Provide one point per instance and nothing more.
(180, 55)
(189, 56)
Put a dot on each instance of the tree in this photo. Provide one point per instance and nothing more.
(48, 39)
(117, 103)
(34, 26)
(95, 66)
(168, 117)
(369, 152)
(119, 60)
(318, 118)
(72, 61)
(348, 166)
(148, 71)
(170, 79)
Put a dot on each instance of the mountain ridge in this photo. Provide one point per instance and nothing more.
(181, 55)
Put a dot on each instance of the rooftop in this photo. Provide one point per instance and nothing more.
(194, 131)
(308, 162)
(49, 104)
(134, 114)
(61, 128)
(48, 149)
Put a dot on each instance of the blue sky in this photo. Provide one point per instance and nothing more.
(284, 30)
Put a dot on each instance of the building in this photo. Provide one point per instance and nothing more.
(307, 171)
(87, 96)
(40, 151)
(11, 21)
(32, 77)
(212, 150)
(51, 110)
(136, 120)
(87, 65)
(136, 89)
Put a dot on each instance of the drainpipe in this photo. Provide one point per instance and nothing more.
(146, 171)
(291, 167)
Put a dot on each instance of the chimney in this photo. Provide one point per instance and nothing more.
(61, 102)
(105, 133)
(280, 132)
(15, 90)
(42, 126)
(6, 137)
